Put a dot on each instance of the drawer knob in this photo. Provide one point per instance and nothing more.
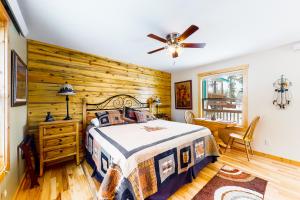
(60, 140)
(60, 151)
(60, 129)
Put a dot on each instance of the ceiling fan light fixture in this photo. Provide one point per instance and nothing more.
(171, 48)
(174, 48)
(174, 42)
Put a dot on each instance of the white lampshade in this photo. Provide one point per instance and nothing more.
(66, 89)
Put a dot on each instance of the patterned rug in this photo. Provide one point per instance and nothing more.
(233, 184)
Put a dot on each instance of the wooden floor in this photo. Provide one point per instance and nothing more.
(73, 182)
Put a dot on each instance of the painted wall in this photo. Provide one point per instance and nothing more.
(278, 131)
(17, 121)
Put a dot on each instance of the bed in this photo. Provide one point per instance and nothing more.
(148, 160)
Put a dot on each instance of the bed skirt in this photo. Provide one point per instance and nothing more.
(168, 187)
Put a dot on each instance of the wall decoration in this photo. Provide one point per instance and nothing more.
(183, 95)
(19, 80)
(282, 95)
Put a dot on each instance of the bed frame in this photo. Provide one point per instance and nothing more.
(114, 102)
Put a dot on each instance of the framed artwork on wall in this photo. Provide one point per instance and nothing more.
(183, 95)
(19, 80)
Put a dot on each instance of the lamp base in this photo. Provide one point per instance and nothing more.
(67, 118)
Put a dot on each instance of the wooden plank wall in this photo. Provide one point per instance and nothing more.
(93, 77)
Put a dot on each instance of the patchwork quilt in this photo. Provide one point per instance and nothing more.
(133, 160)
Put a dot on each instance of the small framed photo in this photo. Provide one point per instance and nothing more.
(19, 75)
(183, 95)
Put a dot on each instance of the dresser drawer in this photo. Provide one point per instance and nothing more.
(54, 130)
(59, 153)
(59, 141)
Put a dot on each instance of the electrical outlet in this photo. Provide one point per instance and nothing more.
(267, 142)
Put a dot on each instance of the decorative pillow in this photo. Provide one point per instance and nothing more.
(95, 122)
(149, 115)
(140, 116)
(129, 113)
(110, 117)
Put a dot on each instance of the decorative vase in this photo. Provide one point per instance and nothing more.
(49, 117)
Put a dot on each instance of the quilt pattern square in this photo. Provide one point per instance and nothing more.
(105, 161)
(134, 181)
(147, 177)
(199, 149)
(89, 145)
(97, 154)
(166, 165)
(125, 191)
(185, 157)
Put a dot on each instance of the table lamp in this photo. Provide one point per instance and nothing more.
(66, 90)
(156, 102)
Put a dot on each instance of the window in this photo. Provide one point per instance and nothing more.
(223, 95)
(4, 152)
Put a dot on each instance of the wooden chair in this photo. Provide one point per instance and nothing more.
(246, 139)
(189, 117)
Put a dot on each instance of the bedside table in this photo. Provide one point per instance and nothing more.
(58, 139)
(162, 116)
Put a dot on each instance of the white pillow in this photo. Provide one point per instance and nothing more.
(95, 122)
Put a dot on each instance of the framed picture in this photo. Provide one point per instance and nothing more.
(19, 80)
(183, 95)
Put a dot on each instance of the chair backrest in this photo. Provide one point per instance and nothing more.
(189, 117)
(250, 130)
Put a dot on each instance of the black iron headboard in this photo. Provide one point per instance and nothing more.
(114, 102)
(117, 102)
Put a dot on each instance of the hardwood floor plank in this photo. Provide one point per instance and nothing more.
(69, 181)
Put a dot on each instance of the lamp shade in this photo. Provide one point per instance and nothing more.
(66, 89)
(157, 101)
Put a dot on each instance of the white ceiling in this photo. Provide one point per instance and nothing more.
(118, 28)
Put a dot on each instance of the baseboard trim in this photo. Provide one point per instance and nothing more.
(270, 156)
(277, 158)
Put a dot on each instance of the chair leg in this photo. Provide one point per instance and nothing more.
(246, 148)
(251, 149)
(228, 143)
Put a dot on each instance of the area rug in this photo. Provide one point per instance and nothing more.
(233, 184)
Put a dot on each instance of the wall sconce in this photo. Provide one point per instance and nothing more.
(282, 96)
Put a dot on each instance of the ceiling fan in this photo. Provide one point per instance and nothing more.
(175, 42)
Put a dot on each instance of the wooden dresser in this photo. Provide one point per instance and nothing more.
(58, 140)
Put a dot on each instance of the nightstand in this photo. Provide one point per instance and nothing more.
(162, 116)
(58, 140)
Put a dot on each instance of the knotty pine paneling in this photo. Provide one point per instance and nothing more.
(93, 77)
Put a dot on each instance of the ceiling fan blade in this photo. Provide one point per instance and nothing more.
(157, 38)
(175, 54)
(156, 50)
(192, 29)
(193, 45)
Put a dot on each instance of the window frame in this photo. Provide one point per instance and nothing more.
(4, 20)
(244, 70)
